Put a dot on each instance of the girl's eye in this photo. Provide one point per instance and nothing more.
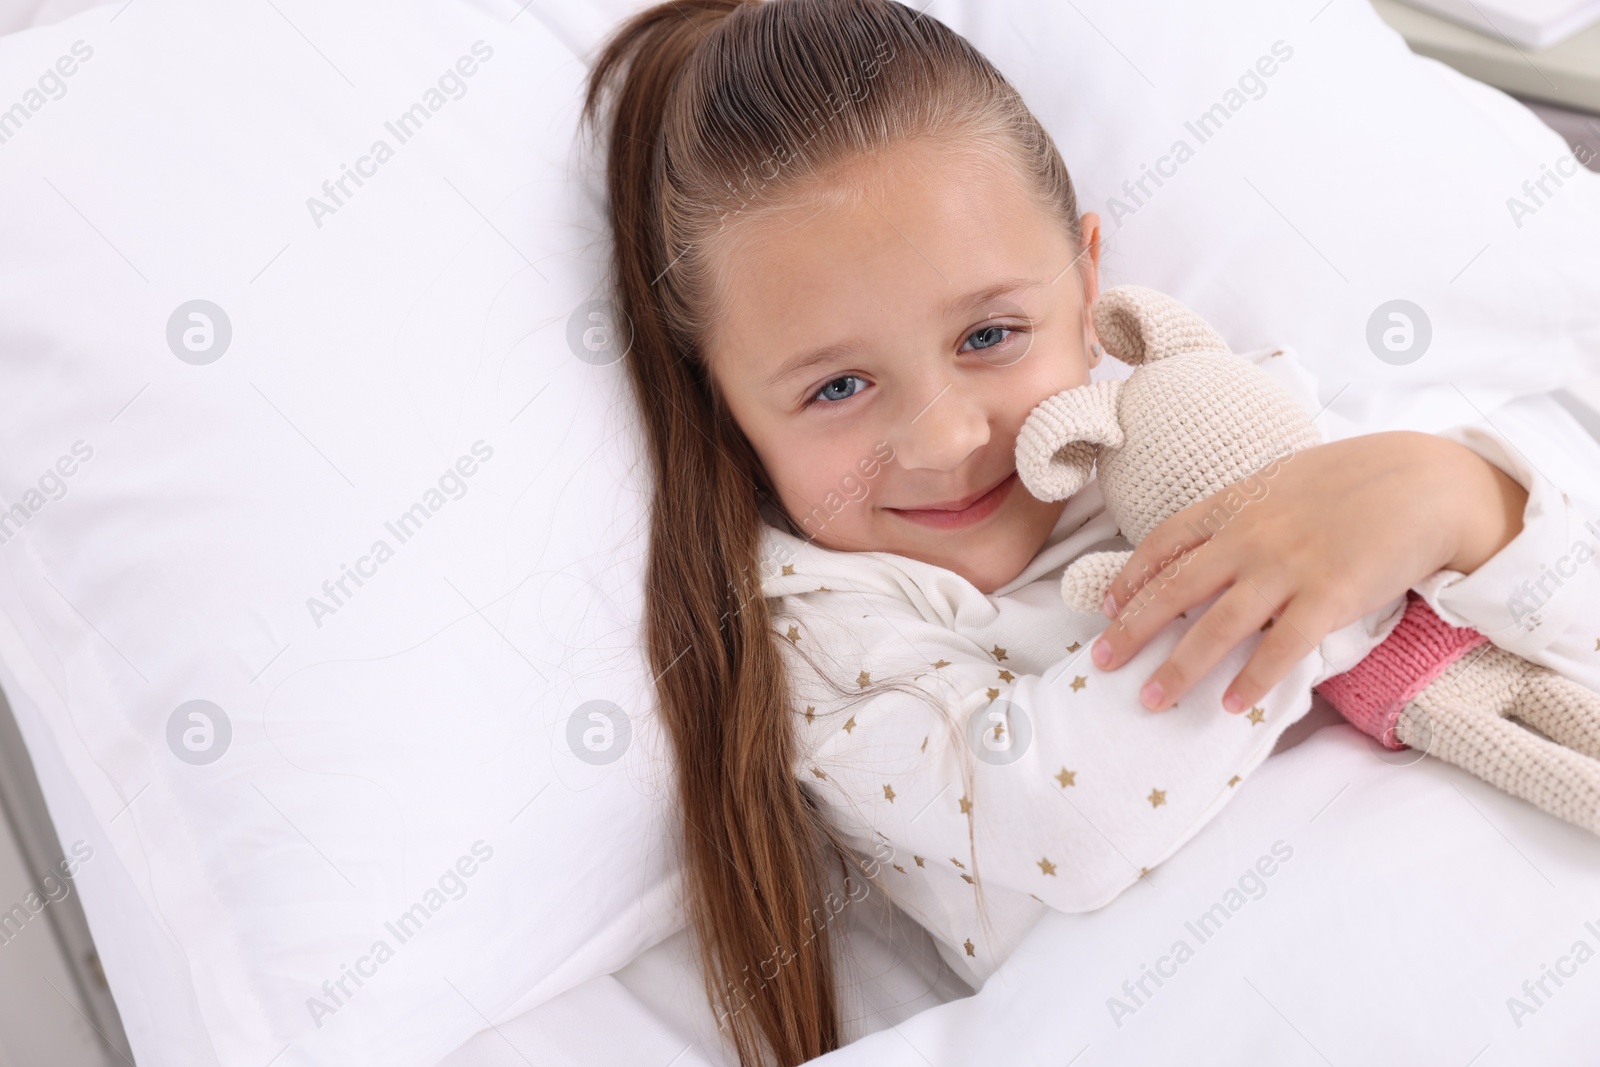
(988, 337)
(839, 389)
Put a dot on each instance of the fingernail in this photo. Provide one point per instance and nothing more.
(1233, 702)
(1151, 695)
(1101, 652)
(1109, 607)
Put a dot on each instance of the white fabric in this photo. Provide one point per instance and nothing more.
(20, 14)
(426, 314)
(372, 747)
(1422, 898)
(1535, 24)
(1414, 905)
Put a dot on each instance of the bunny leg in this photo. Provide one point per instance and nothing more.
(1561, 709)
(1087, 580)
(1461, 718)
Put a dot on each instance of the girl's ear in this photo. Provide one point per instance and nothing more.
(1139, 326)
(1061, 438)
(1088, 260)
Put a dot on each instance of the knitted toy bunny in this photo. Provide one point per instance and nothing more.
(1194, 418)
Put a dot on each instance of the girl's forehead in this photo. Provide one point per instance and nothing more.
(924, 230)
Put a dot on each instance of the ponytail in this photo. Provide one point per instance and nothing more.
(753, 844)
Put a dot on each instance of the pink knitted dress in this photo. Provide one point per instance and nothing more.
(1374, 692)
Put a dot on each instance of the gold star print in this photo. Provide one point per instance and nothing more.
(967, 878)
(994, 694)
(811, 713)
(1007, 676)
(851, 725)
(999, 732)
(1255, 716)
(888, 793)
(818, 772)
(1047, 867)
(999, 653)
(897, 867)
(1157, 797)
(1074, 646)
(958, 863)
(941, 663)
(863, 679)
(969, 946)
(788, 568)
(919, 861)
(1234, 780)
(1067, 778)
(966, 805)
(1078, 682)
(1143, 871)
(794, 633)
(823, 589)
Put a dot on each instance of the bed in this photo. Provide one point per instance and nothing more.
(253, 372)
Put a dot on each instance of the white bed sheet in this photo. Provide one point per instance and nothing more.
(1417, 900)
(1415, 905)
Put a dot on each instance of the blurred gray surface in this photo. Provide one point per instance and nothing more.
(55, 1006)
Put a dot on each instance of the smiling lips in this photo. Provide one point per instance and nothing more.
(959, 513)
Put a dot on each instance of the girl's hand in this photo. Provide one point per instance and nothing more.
(1324, 537)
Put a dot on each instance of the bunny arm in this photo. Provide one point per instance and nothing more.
(1087, 579)
(1465, 715)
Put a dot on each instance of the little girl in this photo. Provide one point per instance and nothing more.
(853, 263)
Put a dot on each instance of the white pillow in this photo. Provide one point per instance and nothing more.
(378, 336)
(20, 14)
(1355, 175)
(1352, 175)
(396, 369)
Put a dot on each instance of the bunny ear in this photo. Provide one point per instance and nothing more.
(1139, 325)
(1060, 438)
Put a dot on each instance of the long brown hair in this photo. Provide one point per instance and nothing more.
(721, 111)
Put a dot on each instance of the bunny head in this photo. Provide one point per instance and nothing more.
(1191, 419)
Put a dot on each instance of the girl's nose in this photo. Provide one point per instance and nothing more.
(947, 429)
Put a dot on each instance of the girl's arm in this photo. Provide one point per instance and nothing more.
(1343, 529)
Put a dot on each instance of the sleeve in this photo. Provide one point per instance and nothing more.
(1058, 784)
(1539, 596)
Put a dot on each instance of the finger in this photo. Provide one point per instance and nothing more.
(1183, 531)
(1188, 579)
(1236, 614)
(1294, 632)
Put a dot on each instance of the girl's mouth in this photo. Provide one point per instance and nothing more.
(951, 518)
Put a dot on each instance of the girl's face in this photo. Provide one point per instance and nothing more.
(881, 357)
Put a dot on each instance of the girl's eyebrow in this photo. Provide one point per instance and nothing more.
(806, 360)
(958, 304)
(947, 308)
